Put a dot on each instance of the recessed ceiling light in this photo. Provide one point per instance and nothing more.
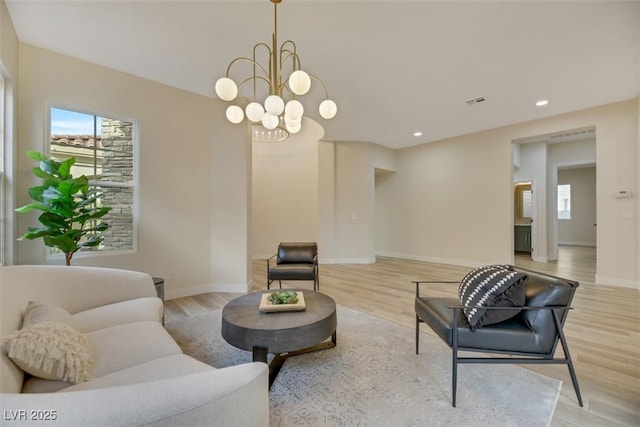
(417, 134)
(542, 103)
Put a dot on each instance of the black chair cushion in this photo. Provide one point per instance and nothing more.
(292, 272)
(491, 286)
(546, 291)
(505, 336)
(297, 253)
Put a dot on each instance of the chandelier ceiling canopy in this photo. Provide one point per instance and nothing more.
(280, 112)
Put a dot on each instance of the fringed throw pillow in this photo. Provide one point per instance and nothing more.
(491, 286)
(49, 346)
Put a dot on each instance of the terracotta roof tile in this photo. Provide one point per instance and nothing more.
(85, 141)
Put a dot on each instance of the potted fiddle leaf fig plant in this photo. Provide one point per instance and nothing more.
(70, 208)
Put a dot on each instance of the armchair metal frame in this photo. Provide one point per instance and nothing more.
(520, 357)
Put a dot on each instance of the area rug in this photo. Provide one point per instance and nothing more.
(374, 378)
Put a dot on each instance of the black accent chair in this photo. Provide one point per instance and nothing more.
(530, 337)
(294, 261)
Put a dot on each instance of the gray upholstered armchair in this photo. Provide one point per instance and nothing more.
(529, 337)
(294, 261)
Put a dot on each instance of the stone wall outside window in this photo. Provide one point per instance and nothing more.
(117, 166)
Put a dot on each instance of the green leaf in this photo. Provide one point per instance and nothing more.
(65, 168)
(32, 206)
(92, 242)
(40, 173)
(35, 233)
(65, 213)
(48, 166)
(36, 155)
(53, 221)
(89, 201)
(36, 193)
(69, 187)
(99, 213)
(103, 226)
(63, 242)
(50, 195)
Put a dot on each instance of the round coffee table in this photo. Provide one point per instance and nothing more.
(284, 334)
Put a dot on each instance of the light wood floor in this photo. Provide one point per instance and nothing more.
(603, 330)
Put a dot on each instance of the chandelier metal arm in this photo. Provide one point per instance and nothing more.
(326, 92)
(294, 51)
(284, 60)
(243, 58)
(255, 49)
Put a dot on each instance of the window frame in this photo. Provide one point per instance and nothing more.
(136, 175)
(3, 152)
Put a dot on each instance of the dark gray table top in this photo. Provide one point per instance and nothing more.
(245, 326)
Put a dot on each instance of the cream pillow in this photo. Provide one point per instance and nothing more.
(49, 346)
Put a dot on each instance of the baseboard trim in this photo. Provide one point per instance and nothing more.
(350, 260)
(574, 243)
(612, 281)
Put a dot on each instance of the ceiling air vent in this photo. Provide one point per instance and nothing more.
(475, 100)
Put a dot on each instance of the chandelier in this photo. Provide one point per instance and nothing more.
(285, 80)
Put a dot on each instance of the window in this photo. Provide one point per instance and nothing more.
(564, 201)
(104, 151)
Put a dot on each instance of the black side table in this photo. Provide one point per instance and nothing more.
(158, 282)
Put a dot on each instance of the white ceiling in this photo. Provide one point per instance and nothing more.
(393, 67)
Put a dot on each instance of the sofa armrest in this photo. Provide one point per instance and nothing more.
(236, 395)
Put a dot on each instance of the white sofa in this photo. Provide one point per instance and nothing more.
(140, 375)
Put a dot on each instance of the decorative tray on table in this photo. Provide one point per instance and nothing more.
(282, 301)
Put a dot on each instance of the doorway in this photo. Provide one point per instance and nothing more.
(540, 158)
(524, 214)
(575, 211)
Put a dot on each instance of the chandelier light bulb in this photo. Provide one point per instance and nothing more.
(290, 121)
(274, 105)
(269, 121)
(293, 129)
(255, 112)
(226, 89)
(328, 109)
(235, 114)
(294, 109)
(299, 82)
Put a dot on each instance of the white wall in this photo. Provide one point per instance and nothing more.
(354, 203)
(176, 178)
(580, 228)
(385, 218)
(229, 161)
(455, 196)
(450, 201)
(286, 191)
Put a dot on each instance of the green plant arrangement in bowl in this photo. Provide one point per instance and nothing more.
(283, 297)
(70, 208)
